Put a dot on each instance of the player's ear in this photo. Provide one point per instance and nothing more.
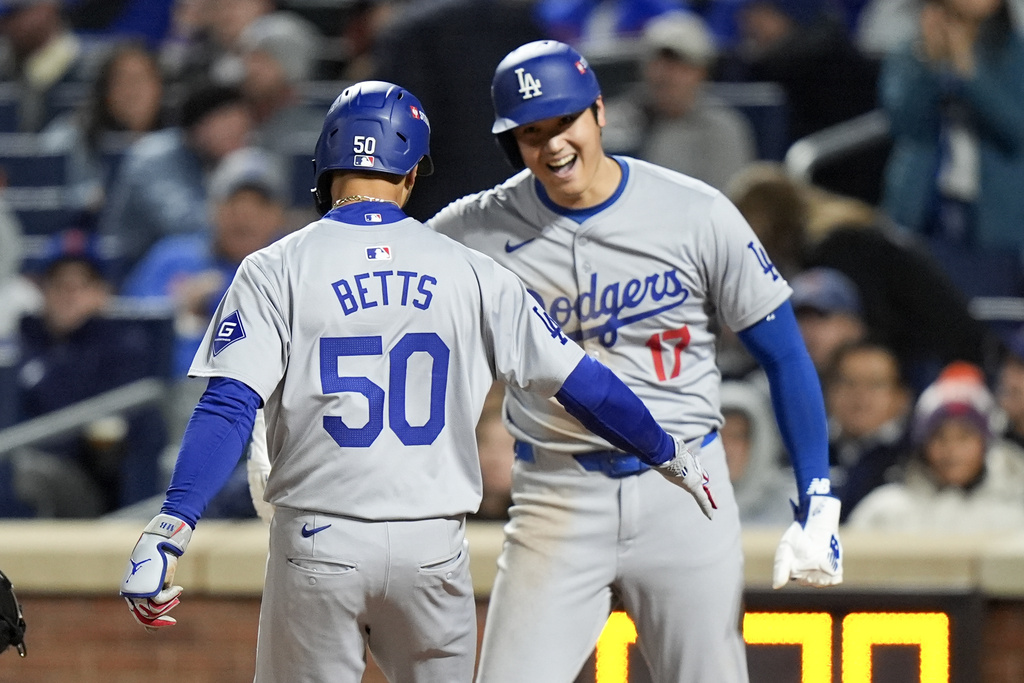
(407, 184)
(599, 111)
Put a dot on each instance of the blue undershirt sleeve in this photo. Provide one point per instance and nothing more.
(606, 406)
(776, 343)
(216, 436)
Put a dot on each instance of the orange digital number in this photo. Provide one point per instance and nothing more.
(929, 631)
(812, 631)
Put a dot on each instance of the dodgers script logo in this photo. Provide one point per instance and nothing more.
(613, 301)
(229, 331)
(529, 87)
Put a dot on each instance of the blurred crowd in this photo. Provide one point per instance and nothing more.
(148, 146)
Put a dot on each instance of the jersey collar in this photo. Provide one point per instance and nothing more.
(580, 215)
(366, 213)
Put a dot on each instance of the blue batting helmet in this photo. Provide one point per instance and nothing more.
(537, 81)
(372, 126)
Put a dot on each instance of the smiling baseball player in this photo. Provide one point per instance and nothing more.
(634, 262)
(372, 342)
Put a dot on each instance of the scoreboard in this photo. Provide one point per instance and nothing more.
(831, 637)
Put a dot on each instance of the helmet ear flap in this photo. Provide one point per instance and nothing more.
(510, 148)
(322, 193)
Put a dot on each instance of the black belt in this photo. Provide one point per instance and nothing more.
(614, 464)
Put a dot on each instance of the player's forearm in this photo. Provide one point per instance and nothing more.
(796, 395)
(606, 406)
(216, 435)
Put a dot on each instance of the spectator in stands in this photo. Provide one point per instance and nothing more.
(125, 102)
(160, 187)
(805, 49)
(46, 55)
(753, 452)
(956, 102)
(909, 303)
(963, 479)
(668, 119)
(69, 353)
(281, 50)
(248, 195)
(205, 35)
(868, 406)
(828, 310)
(1011, 388)
(446, 52)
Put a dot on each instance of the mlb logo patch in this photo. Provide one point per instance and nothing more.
(364, 160)
(581, 66)
(228, 332)
(372, 217)
(378, 253)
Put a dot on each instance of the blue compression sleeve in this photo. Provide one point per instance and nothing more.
(777, 345)
(605, 405)
(216, 436)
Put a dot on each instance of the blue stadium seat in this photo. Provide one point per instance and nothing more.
(10, 99)
(35, 178)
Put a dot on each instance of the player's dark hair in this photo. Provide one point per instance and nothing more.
(868, 345)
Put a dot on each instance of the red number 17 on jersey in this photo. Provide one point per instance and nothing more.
(656, 344)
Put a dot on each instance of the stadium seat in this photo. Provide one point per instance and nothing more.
(10, 99)
(34, 179)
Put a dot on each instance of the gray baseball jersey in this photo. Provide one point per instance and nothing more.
(638, 282)
(373, 347)
(637, 285)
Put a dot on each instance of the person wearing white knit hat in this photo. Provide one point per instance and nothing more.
(962, 479)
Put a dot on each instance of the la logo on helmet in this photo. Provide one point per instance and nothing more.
(529, 87)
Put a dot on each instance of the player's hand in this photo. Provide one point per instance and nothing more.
(257, 467)
(148, 579)
(685, 471)
(810, 552)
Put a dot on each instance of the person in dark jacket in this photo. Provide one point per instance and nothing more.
(69, 353)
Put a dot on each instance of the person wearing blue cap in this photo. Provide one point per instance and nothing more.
(828, 310)
(68, 353)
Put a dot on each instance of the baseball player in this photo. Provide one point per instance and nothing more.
(371, 342)
(634, 262)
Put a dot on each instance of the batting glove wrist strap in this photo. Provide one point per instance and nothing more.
(686, 472)
(810, 552)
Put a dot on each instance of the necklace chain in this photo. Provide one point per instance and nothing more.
(361, 198)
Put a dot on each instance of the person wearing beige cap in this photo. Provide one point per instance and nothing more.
(668, 118)
(961, 478)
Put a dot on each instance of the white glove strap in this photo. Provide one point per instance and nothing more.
(177, 531)
(144, 576)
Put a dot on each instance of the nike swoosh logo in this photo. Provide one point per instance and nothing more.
(509, 247)
(306, 532)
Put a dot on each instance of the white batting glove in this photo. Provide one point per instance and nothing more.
(147, 583)
(257, 467)
(810, 553)
(685, 471)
